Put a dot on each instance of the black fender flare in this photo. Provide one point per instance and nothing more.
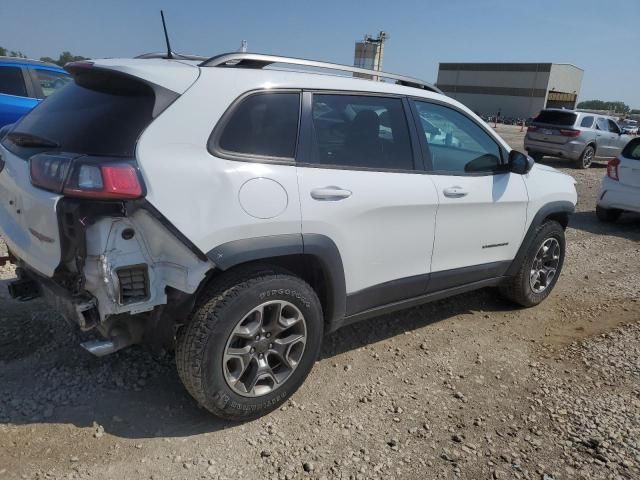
(549, 209)
(321, 247)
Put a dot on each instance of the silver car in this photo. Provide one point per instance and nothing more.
(577, 136)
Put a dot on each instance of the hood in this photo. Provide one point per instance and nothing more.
(547, 168)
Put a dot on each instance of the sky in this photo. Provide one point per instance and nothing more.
(602, 37)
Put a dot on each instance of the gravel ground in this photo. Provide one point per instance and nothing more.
(468, 387)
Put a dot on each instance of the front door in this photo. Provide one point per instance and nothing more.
(482, 213)
(618, 140)
(360, 187)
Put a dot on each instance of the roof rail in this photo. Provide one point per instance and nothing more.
(176, 56)
(257, 60)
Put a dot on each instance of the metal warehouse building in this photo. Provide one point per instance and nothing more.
(514, 89)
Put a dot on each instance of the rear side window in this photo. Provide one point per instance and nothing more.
(264, 125)
(361, 131)
(587, 122)
(100, 113)
(51, 81)
(632, 150)
(12, 82)
(556, 117)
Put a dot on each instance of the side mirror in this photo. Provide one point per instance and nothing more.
(520, 163)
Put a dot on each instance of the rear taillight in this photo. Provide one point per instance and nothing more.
(567, 132)
(612, 169)
(110, 181)
(86, 177)
(49, 171)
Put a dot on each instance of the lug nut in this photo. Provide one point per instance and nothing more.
(261, 355)
(257, 337)
(268, 334)
(252, 350)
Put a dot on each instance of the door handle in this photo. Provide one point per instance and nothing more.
(455, 192)
(330, 193)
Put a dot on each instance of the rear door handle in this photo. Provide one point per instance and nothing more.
(330, 193)
(455, 192)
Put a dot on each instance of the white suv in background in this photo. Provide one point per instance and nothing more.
(620, 189)
(241, 211)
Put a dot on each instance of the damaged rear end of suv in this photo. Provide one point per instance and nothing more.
(73, 210)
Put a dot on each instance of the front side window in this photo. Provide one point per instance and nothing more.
(51, 81)
(361, 131)
(264, 125)
(613, 126)
(587, 122)
(12, 82)
(456, 144)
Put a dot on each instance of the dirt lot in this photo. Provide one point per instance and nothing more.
(469, 387)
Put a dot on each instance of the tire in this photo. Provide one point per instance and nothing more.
(220, 324)
(586, 159)
(607, 215)
(520, 288)
(537, 156)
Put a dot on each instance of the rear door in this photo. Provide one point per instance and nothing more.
(482, 212)
(604, 138)
(359, 186)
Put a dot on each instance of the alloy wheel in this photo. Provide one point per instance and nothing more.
(264, 348)
(587, 158)
(545, 265)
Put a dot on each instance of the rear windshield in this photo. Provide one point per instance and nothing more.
(554, 117)
(632, 150)
(100, 113)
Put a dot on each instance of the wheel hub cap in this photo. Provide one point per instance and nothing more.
(545, 265)
(264, 348)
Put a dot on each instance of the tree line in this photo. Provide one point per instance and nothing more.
(618, 107)
(63, 58)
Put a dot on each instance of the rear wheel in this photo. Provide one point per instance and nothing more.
(607, 215)
(540, 268)
(251, 343)
(586, 159)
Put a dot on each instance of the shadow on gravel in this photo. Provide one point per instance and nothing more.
(137, 394)
(627, 226)
(557, 162)
(390, 325)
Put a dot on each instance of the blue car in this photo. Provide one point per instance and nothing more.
(24, 83)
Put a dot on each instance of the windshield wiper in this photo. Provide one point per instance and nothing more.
(28, 140)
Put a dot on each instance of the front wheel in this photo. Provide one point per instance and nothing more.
(540, 268)
(251, 342)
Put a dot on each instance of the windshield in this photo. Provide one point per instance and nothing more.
(100, 113)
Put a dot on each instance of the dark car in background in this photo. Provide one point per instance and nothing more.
(24, 83)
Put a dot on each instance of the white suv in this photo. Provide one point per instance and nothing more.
(620, 189)
(241, 211)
